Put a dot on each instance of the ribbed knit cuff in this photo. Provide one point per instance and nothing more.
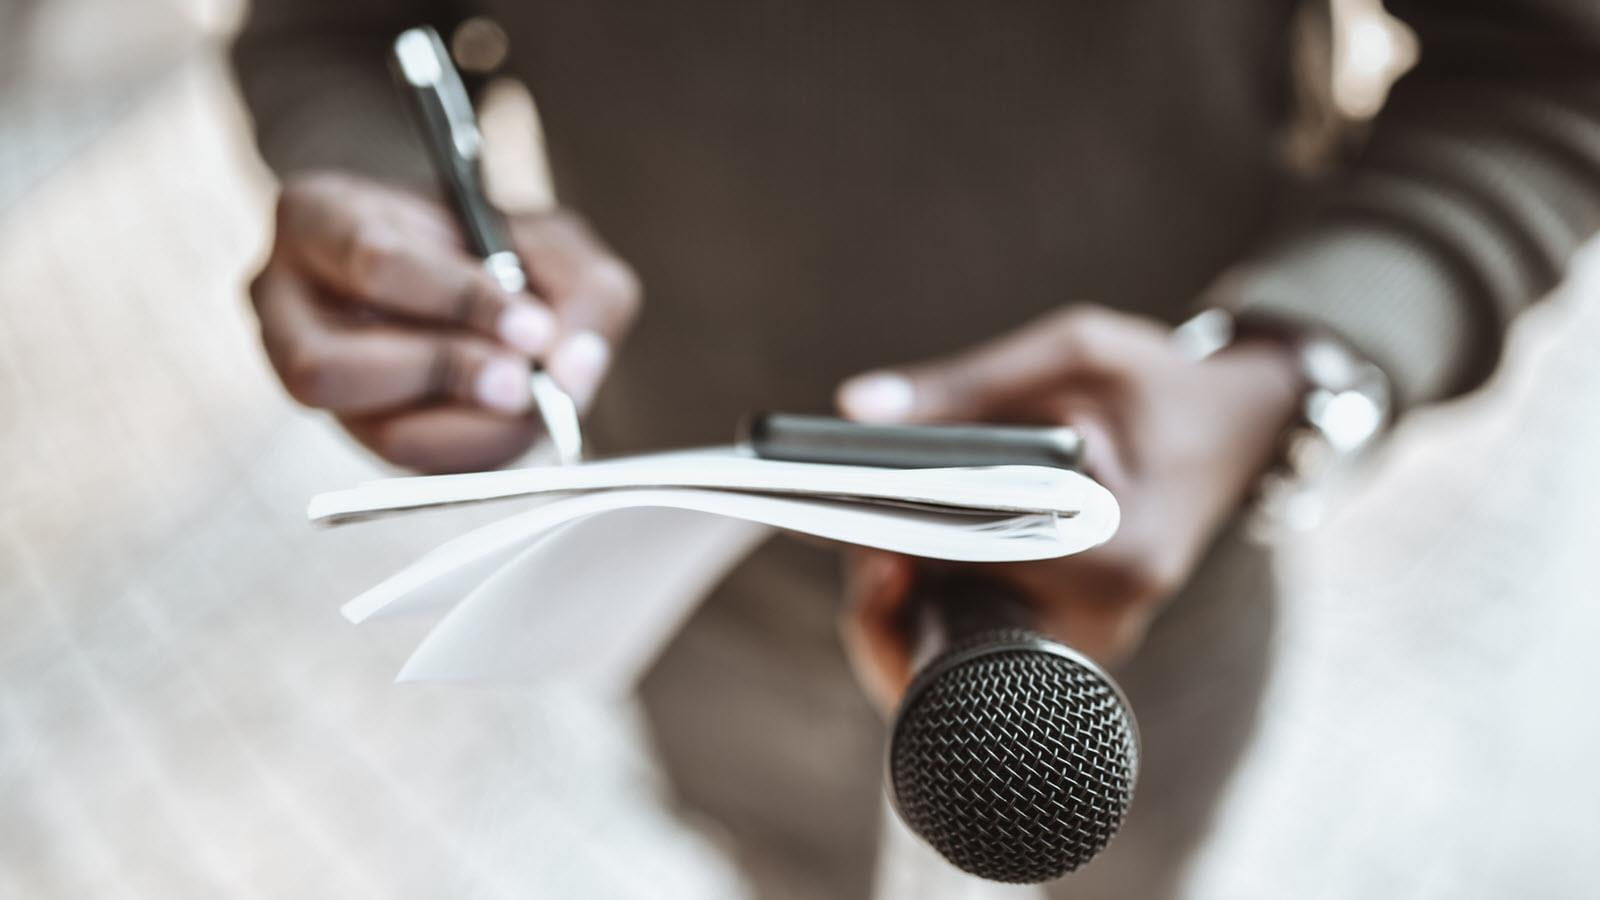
(1384, 293)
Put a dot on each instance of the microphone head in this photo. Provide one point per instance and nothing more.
(1014, 756)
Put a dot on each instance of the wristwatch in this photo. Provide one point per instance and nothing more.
(1345, 411)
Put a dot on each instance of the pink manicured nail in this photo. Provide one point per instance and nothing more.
(503, 385)
(578, 363)
(527, 327)
(878, 397)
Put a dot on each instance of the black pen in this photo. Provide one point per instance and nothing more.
(443, 112)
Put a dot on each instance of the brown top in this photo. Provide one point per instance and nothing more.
(811, 189)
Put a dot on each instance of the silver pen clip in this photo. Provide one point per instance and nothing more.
(444, 116)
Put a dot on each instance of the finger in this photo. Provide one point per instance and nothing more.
(1106, 617)
(594, 294)
(1006, 372)
(873, 628)
(585, 283)
(1104, 600)
(366, 368)
(423, 217)
(364, 243)
(444, 439)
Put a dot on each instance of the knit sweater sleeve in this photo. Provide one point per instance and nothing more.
(1480, 181)
(314, 75)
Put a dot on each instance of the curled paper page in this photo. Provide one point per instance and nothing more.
(588, 585)
(1017, 489)
(592, 602)
(963, 536)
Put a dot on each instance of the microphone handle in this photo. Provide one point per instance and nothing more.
(950, 606)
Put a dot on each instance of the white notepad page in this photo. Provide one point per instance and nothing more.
(996, 488)
(589, 583)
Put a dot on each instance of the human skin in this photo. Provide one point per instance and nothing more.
(1179, 442)
(372, 308)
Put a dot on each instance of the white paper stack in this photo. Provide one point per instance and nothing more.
(588, 583)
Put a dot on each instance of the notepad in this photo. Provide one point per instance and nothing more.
(609, 556)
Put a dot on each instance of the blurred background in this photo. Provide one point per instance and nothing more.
(183, 713)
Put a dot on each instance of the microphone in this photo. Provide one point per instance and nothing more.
(1013, 755)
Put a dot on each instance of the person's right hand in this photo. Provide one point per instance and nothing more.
(372, 308)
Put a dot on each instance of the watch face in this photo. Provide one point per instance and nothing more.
(1348, 420)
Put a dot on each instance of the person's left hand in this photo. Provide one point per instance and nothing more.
(1178, 442)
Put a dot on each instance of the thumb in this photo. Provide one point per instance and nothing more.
(978, 383)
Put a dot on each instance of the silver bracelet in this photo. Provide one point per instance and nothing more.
(1345, 411)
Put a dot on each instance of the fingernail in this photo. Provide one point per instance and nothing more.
(578, 364)
(503, 385)
(527, 327)
(878, 397)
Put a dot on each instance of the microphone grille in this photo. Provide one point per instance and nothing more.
(1014, 757)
